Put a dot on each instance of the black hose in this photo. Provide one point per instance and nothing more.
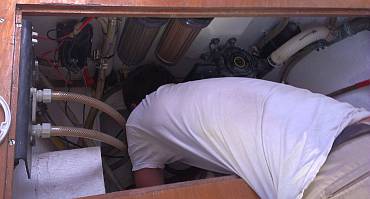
(292, 62)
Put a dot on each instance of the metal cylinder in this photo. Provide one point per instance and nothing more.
(137, 37)
(178, 37)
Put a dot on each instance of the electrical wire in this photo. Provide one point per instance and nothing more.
(84, 24)
(61, 41)
(55, 65)
(350, 88)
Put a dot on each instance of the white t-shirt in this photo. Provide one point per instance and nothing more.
(274, 136)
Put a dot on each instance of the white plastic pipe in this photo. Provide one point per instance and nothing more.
(282, 54)
(45, 130)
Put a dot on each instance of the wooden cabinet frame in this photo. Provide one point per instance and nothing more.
(11, 12)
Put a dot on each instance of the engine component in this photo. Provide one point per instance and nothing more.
(290, 30)
(178, 37)
(137, 37)
(226, 60)
(73, 51)
(238, 61)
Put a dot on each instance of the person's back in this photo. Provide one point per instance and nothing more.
(276, 137)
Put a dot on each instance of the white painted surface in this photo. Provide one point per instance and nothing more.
(61, 174)
(341, 65)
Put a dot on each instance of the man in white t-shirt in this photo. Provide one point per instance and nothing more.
(276, 137)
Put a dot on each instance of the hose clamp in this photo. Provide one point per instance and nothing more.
(4, 126)
(272, 63)
(41, 130)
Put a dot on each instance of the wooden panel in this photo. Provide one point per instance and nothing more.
(198, 7)
(14, 99)
(212, 3)
(9, 77)
(213, 188)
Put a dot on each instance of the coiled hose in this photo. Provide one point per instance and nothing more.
(87, 133)
(92, 102)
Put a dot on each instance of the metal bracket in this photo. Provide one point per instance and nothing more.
(4, 126)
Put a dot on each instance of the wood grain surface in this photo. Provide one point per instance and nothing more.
(7, 27)
(229, 187)
(197, 8)
(10, 34)
(330, 4)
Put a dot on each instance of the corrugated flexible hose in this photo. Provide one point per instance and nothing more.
(87, 133)
(92, 102)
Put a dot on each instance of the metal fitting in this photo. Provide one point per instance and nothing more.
(35, 34)
(43, 95)
(41, 130)
(35, 41)
(272, 63)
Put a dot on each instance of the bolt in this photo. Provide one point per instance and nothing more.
(35, 41)
(18, 25)
(11, 142)
(2, 20)
(35, 34)
(32, 140)
(36, 63)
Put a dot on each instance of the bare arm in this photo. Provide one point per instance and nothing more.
(148, 177)
(366, 120)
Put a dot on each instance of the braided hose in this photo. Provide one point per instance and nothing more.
(92, 102)
(87, 133)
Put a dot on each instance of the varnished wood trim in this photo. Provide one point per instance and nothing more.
(31, 9)
(213, 188)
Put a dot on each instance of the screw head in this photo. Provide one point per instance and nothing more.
(11, 142)
(2, 20)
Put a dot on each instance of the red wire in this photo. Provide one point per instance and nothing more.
(55, 66)
(61, 40)
(84, 24)
(363, 83)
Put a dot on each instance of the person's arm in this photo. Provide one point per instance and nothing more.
(148, 177)
(365, 121)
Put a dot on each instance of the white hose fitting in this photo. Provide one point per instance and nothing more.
(298, 42)
(43, 96)
(41, 130)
